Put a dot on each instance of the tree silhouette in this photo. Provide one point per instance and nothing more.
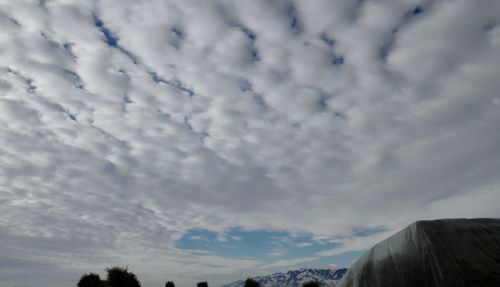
(311, 284)
(169, 284)
(202, 284)
(251, 283)
(89, 280)
(121, 277)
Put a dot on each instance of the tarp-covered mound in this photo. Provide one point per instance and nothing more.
(437, 253)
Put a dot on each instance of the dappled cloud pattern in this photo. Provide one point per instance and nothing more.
(124, 124)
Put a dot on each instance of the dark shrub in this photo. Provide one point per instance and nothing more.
(121, 277)
(311, 284)
(251, 283)
(202, 284)
(170, 284)
(89, 280)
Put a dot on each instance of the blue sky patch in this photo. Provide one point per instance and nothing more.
(417, 10)
(322, 105)
(265, 245)
(337, 60)
(68, 47)
(254, 55)
(176, 37)
(365, 232)
(293, 21)
(245, 85)
(110, 39)
(327, 39)
(176, 83)
(249, 33)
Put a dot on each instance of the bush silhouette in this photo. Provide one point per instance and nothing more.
(169, 284)
(89, 280)
(251, 283)
(202, 284)
(121, 277)
(311, 284)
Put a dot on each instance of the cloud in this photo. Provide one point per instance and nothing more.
(126, 124)
(289, 263)
(196, 237)
(277, 253)
(354, 243)
(334, 266)
(304, 244)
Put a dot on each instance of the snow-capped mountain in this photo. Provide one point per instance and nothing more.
(295, 278)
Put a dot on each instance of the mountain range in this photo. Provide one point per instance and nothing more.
(295, 278)
(432, 253)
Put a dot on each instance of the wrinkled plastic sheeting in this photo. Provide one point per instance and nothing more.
(437, 253)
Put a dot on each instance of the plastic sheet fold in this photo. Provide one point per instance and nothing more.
(437, 253)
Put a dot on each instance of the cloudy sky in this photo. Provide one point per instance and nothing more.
(214, 140)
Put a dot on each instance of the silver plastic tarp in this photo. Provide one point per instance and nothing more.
(437, 253)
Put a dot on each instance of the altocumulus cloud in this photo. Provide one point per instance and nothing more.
(125, 124)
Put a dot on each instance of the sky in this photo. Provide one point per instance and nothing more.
(215, 140)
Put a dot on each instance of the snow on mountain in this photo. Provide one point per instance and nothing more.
(295, 278)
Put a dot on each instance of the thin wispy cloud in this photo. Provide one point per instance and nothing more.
(128, 126)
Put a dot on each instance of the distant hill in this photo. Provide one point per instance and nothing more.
(436, 253)
(295, 278)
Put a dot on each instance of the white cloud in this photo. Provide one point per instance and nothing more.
(197, 237)
(353, 243)
(334, 266)
(304, 244)
(289, 263)
(216, 115)
(277, 253)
